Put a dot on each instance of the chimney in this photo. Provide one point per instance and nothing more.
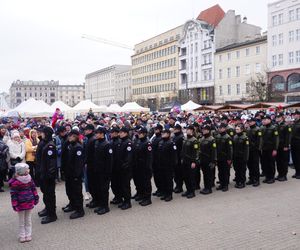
(245, 20)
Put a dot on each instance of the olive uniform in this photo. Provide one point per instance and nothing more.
(295, 147)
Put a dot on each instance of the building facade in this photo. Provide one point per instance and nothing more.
(196, 56)
(100, 86)
(48, 91)
(123, 87)
(155, 76)
(284, 48)
(236, 66)
(4, 101)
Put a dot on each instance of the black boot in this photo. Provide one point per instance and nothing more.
(250, 182)
(225, 189)
(256, 184)
(92, 204)
(191, 195)
(168, 198)
(185, 194)
(146, 202)
(76, 215)
(205, 191)
(49, 219)
(219, 187)
(116, 201)
(126, 205)
(42, 213)
(103, 210)
(178, 190)
(68, 209)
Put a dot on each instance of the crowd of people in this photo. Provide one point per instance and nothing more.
(108, 151)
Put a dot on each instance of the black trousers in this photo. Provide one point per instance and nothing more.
(143, 182)
(76, 194)
(223, 173)
(207, 175)
(189, 177)
(157, 177)
(197, 176)
(295, 147)
(179, 174)
(240, 167)
(116, 183)
(166, 175)
(282, 162)
(2, 177)
(125, 177)
(49, 198)
(102, 189)
(92, 182)
(253, 165)
(268, 164)
(68, 189)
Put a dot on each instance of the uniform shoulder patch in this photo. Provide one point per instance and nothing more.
(290, 129)
(247, 142)
(196, 146)
(231, 133)
(230, 142)
(50, 152)
(259, 133)
(276, 133)
(110, 151)
(128, 148)
(174, 147)
(78, 153)
(214, 145)
(149, 148)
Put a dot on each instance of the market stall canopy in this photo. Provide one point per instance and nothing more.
(114, 108)
(267, 105)
(61, 105)
(292, 106)
(208, 108)
(33, 108)
(190, 106)
(133, 107)
(232, 107)
(86, 105)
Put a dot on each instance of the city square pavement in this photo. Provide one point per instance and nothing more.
(267, 217)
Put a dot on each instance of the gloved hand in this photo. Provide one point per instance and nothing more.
(18, 159)
(212, 165)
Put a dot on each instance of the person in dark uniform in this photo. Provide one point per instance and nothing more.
(115, 178)
(89, 147)
(208, 158)
(190, 160)
(240, 155)
(38, 159)
(123, 160)
(167, 157)
(73, 176)
(103, 169)
(283, 152)
(142, 164)
(178, 140)
(295, 144)
(224, 156)
(269, 149)
(155, 165)
(254, 135)
(48, 168)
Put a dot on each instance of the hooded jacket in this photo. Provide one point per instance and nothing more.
(31, 147)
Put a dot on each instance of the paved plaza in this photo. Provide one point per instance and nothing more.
(267, 217)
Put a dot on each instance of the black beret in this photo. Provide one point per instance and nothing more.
(74, 132)
(115, 129)
(166, 131)
(190, 127)
(89, 127)
(158, 126)
(124, 129)
(206, 127)
(177, 126)
(100, 130)
(142, 130)
(223, 125)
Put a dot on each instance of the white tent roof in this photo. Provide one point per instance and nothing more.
(133, 107)
(113, 108)
(33, 108)
(86, 105)
(61, 105)
(190, 106)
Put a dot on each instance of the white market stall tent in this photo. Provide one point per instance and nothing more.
(86, 105)
(33, 108)
(114, 108)
(133, 107)
(61, 105)
(190, 106)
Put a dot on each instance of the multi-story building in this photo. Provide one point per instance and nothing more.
(155, 70)
(48, 91)
(212, 30)
(284, 48)
(4, 101)
(100, 86)
(123, 87)
(71, 94)
(236, 67)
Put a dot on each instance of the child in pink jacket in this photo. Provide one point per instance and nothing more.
(23, 198)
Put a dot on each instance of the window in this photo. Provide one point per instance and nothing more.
(274, 20)
(280, 19)
(18, 94)
(280, 38)
(196, 47)
(291, 36)
(220, 90)
(196, 76)
(297, 34)
(192, 48)
(220, 73)
(257, 67)
(209, 74)
(298, 56)
(257, 49)
(228, 72)
(229, 89)
(280, 59)
(228, 56)
(291, 57)
(291, 15)
(274, 60)
(298, 14)
(220, 58)
(238, 89)
(247, 87)
(238, 71)
(196, 62)
(247, 69)
(238, 54)
(274, 40)
(247, 52)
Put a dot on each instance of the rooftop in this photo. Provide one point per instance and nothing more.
(212, 15)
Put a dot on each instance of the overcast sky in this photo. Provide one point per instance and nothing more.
(41, 40)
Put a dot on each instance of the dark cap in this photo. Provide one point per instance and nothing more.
(251, 119)
(223, 125)
(142, 130)
(158, 126)
(100, 130)
(177, 126)
(124, 129)
(190, 127)
(74, 132)
(172, 118)
(224, 117)
(61, 129)
(297, 112)
(279, 115)
(40, 128)
(267, 117)
(166, 131)
(48, 131)
(89, 127)
(206, 127)
(115, 129)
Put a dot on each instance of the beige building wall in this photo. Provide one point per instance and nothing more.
(235, 65)
(123, 87)
(155, 77)
(71, 94)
